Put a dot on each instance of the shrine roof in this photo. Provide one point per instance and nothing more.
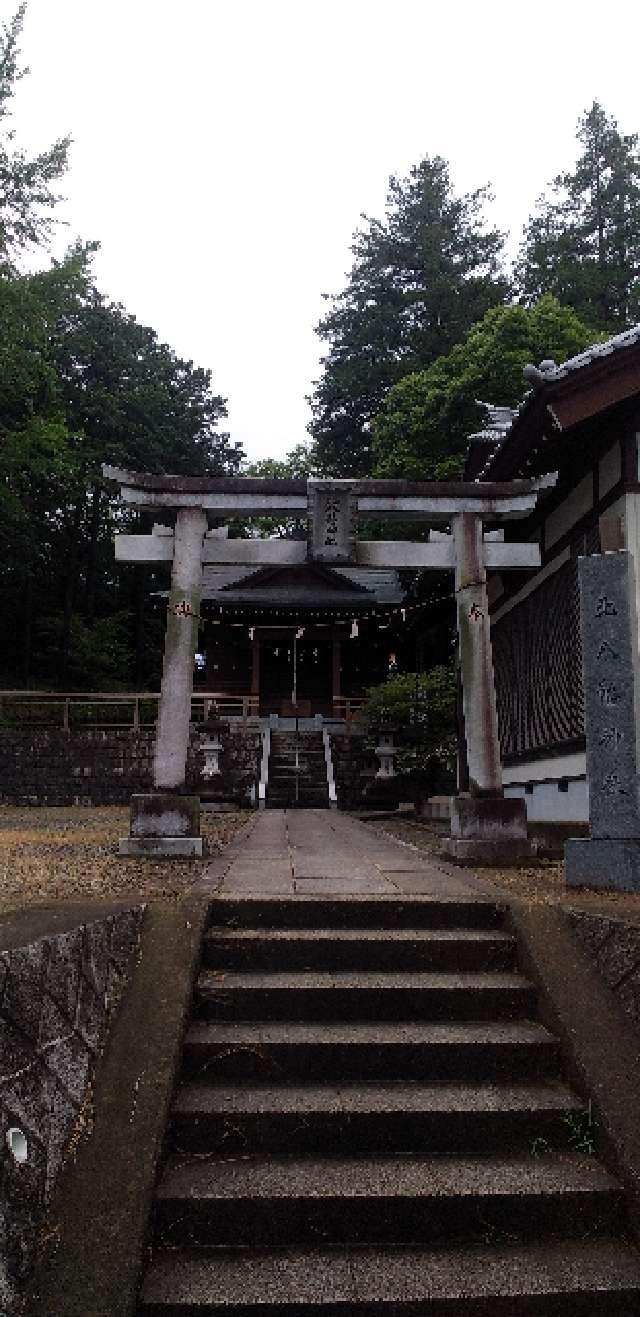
(628, 339)
(310, 586)
(562, 396)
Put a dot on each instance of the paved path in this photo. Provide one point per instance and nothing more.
(316, 852)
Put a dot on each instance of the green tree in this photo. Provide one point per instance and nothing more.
(298, 463)
(583, 243)
(83, 382)
(38, 463)
(27, 198)
(422, 431)
(421, 710)
(129, 400)
(420, 277)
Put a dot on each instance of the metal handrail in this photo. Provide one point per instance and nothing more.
(328, 759)
(264, 767)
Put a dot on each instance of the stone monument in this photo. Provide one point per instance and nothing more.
(610, 857)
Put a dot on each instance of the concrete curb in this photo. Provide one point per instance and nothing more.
(97, 1226)
(600, 1045)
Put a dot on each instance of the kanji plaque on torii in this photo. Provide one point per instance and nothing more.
(485, 826)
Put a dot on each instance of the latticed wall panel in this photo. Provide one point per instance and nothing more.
(538, 667)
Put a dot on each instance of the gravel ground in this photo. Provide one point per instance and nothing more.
(69, 854)
(541, 882)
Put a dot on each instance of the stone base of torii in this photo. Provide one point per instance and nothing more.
(485, 828)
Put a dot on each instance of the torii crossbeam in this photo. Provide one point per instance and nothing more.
(333, 509)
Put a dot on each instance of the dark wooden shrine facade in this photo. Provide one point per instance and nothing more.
(299, 639)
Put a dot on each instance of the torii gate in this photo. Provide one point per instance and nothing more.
(485, 826)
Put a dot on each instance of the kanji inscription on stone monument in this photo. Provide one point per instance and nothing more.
(609, 650)
(609, 691)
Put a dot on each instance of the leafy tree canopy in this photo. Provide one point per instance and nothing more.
(422, 431)
(83, 382)
(583, 244)
(130, 399)
(421, 710)
(298, 464)
(420, 277)
(27, 197)
(38, 464)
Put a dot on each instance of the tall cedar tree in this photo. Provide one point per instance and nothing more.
(583, 244)
(420, 278)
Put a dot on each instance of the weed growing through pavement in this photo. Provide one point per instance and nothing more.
(582, 1129)
(579, 1128)
(539, 1147)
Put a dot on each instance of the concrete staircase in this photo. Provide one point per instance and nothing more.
(371, 1120)
(297, 771)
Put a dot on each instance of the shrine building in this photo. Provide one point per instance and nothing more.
(582, 419)
(306, 639)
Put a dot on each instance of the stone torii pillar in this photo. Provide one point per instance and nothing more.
(167, 822)
(181, 638)
(476, 659)
(484, 826)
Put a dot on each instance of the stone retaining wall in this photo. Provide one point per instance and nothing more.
(613, 946)
(44, 766)
(58, 996)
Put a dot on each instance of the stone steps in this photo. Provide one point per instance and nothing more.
(406, 1200)
(349, 912)
(363, 995)
(297, 772)
(370, 1119)
(567, 1279)
(335, 949)
(364, 1118)
(289, 800)
(262, 1052)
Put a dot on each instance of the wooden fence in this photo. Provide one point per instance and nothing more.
(75, 710)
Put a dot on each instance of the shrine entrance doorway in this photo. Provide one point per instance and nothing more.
(296, 670)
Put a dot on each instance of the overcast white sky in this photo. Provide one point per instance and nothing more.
(224, 149)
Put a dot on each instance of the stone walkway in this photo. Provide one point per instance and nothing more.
(309, 852)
